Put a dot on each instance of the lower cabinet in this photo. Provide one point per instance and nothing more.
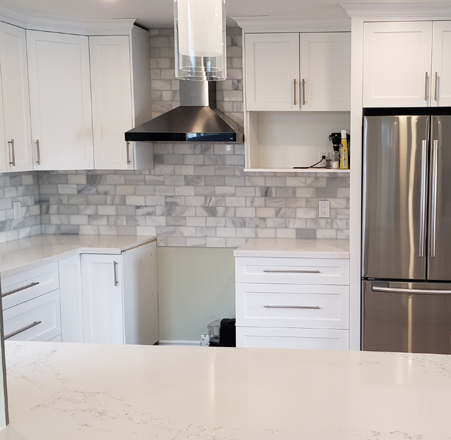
(120, 300)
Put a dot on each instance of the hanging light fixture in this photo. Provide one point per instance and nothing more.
(200, 40)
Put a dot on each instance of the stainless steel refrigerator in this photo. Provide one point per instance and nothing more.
(406, 233)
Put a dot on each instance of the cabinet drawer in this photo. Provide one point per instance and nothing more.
(286, 305)
(250, 337)
(27, 285)
(292, 271)
(34, 320)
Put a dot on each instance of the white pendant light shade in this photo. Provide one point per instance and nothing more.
(200, 40)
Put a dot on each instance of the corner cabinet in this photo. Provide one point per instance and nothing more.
(60, 101)
(297, 92)
(407, 64)
(119, 297)
(120, 80)
(16, 153)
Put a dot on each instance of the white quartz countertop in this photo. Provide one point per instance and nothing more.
(287, 247)
(104, 392)
(27, 253)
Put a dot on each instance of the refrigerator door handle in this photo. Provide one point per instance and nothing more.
(410, 291)
(434, 196)
(424, 145)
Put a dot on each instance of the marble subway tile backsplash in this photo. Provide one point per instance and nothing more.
(23, 188)
(196, 195)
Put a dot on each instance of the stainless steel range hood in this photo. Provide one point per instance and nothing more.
(197, 119)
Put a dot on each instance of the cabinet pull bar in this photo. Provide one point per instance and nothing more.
(20, 289)
(436, 84)
(21, 330)
(128, 153)
(13, 153)
(269, 306)
(38, 152)
(116, 281)
(291, 271)
(303, 92)
(426, 86)
(295, 100)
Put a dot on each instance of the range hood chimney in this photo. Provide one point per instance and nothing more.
(196, 120)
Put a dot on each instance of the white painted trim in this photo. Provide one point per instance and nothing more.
(355, 182)
(180, 342)
(77, 27)
(267, 24)
(398, 11)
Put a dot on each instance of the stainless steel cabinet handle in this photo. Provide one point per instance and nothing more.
(411, 291)
(128, 152)
(38, 152)
(436, 84)
(20, 289)
(434, 196)
(13, 153)
(303, 92)
(295, 98)
(116, 281)
(268, 306)
(290, 271)
(21, 330)
(423, 198)
(426, 76)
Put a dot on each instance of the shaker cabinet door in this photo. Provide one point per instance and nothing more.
(60, 100)
(397, 64)
(16, 100)
(272, 72)
(441, 65)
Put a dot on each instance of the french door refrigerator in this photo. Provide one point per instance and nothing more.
(406, 233)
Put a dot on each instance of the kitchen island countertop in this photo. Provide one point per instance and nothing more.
(27, 253)
(119, 392)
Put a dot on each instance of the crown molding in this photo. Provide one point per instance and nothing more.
(79, 27)
(399, 11)
(290, 24)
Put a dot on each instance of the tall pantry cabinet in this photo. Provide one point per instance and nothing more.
(15, 126)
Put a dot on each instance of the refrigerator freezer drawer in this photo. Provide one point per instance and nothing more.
(406, 317)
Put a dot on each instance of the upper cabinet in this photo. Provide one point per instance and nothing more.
(16, 152)
(292, 71)
(60, 100)
(120, 81)
(406, 64)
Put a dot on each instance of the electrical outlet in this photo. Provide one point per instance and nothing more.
(204, 340)
(17, 215)
(324, 208)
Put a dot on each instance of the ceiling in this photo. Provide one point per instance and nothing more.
(159, 13)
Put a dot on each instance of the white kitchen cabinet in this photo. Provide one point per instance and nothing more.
(60, 100)
(292, 302)
(120, 81)
(292, 71)
(397, 64)
(16, 153)
(441, 64)
(120, 300)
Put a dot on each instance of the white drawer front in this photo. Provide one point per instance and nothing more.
(39, 319)
(287, 305)
(292, 338)
(292, 271)
(27, 285)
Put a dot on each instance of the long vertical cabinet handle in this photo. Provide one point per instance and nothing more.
(436, 86)
(295, 101)
(424, 146)
(426, 76)
(116, 280)
(303, 92)
(38, 152)
(128, 152)
(434, 196)
(13, 153)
